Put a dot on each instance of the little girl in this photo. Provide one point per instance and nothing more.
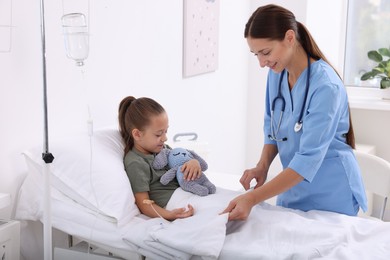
(143, 125)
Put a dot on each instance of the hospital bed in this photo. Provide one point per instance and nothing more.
(93, 202)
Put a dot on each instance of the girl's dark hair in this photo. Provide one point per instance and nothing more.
(135, 113)
(272, 22)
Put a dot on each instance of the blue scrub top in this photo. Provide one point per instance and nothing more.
(318, 152)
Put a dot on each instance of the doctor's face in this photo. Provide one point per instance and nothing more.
(270, 53)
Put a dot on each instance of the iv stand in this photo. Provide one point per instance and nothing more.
(46, 155)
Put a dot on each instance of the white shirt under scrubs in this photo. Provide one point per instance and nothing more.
(318, 152)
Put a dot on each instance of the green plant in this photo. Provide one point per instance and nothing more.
(382, 69)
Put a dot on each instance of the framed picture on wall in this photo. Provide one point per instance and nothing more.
(200, 36)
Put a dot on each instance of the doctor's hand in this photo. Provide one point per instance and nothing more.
(240, 207)
(191, 170)
(256, 173)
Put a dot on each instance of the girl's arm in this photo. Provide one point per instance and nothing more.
(151, 210)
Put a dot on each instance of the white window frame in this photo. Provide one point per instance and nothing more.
(359, 90)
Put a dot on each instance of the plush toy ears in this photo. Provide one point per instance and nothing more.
(161, 159)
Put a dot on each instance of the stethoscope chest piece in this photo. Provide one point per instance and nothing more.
(298, 127)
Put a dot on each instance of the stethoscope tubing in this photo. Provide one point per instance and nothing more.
(279, 96)
(306, 90)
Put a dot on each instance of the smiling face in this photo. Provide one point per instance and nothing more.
(273, 53)
(151, 139)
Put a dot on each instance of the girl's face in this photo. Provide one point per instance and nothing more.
(152, 138)
(272, 53)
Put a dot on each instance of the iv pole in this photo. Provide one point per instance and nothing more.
(46, 155)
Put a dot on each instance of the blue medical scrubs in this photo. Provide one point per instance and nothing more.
(318, 152)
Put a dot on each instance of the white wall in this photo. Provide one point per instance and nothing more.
(136, 49)
(326, 21)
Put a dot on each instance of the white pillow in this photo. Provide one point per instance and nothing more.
(90, 171)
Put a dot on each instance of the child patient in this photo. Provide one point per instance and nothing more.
(143, 126)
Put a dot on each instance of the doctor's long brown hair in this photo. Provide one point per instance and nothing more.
(272, 22)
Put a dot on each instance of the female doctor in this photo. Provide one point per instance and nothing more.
(307, 122)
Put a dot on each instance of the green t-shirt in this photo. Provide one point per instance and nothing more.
(143, 177)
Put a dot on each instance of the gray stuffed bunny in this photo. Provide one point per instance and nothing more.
(175, 158)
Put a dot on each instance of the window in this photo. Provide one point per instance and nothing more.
(368, 28)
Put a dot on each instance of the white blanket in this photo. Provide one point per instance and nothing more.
(271, 232)
(202, 234)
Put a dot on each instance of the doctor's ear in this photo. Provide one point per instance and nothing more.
(290, 36)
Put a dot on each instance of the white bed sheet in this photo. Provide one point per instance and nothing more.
(271, 232)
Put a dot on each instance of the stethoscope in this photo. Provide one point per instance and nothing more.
(298, 125)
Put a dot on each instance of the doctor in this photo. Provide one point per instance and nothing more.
(307, 122)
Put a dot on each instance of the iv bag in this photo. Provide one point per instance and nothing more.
(76, 37)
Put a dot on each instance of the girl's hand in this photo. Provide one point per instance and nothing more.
(191, 170)
(181, 213)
